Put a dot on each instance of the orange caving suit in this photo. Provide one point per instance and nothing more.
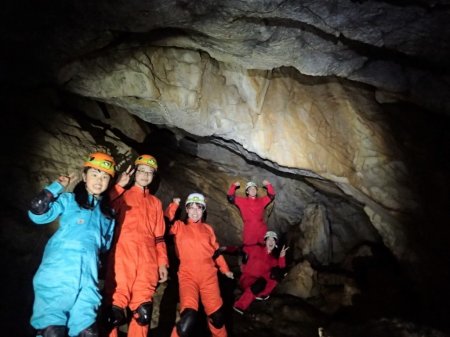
(197, 275)
(139, 250)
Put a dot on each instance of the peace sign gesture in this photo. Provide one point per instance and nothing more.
(124, 178)
(283, 251)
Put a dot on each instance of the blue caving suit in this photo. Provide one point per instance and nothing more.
(66, 283)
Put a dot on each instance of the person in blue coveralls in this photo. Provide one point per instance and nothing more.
(66, 283)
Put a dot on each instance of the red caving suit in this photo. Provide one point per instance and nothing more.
(259, 264)
(139, 250)
(197, 274)
(252, 213)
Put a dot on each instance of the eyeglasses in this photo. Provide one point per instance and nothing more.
(147, 173)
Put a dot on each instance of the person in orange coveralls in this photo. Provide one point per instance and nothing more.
(252, 209)
(139, 258)
(261, 273)
(196, 245)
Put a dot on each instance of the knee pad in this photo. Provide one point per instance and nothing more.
(143, 313)
(115, 316)
(52, 331)
(277, 274)
(217, 318)
(258, 286)
(186, 323)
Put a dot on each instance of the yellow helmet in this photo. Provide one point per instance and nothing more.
(148, 160)
(101, 161)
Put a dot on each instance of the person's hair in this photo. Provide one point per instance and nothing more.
(82, 198)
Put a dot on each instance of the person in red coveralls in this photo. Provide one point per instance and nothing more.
(196, 245)
(261, 273)
(139, 258)
(252, 210)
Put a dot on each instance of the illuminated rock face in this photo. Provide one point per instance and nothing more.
(327, 129)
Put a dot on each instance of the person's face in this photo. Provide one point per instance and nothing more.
(96, 181)
(194, 211)
(270, 244)
(251, 191)
(144, 175)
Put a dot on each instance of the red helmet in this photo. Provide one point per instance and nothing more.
(101, 161)
(148, 160)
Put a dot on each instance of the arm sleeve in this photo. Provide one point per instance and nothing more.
(220, 260)
(161, 250)
(55, 208)
(114, 193)
(270, 191)
(170, 211)
(282, 262)
(108, 236)
(222, 264)
(231, 194)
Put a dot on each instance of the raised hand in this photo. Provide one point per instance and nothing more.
(65, 180)
(125, 177)
(283, 251)
(265, 182)
(237, 184)
(176, 201)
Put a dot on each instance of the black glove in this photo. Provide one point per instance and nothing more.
(41, 203)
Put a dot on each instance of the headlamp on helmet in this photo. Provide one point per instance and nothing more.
(196, 198)
(250, 184)
(271, 234)
(101, 161)
(148, 160)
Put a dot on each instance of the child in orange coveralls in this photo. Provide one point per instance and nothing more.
(261, 273)
(139, 258)
(197, 275)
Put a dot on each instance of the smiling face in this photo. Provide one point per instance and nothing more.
(251, 191)
(143, 175)
(270, 244)
(96, 181)
(194, 211)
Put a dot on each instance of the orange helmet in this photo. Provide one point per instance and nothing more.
(148, 160)
(101, 161)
